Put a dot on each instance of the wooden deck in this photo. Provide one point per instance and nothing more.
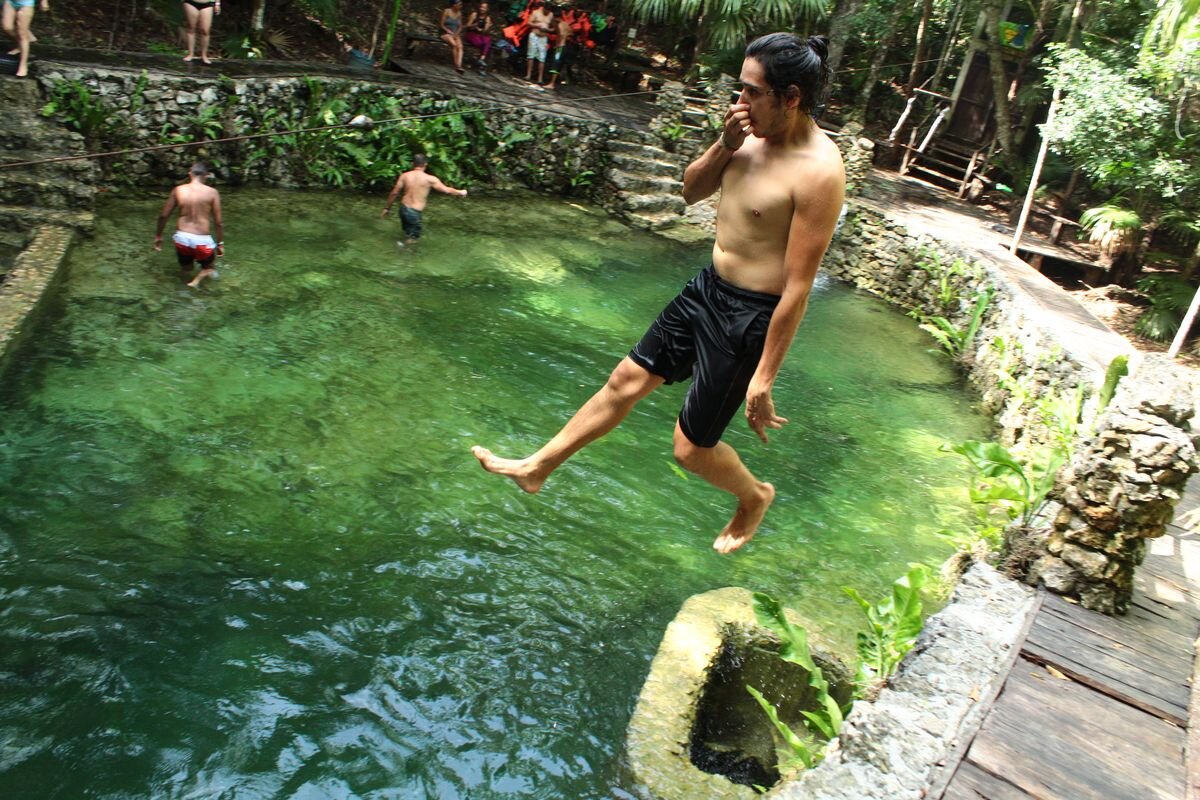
(1097, 706)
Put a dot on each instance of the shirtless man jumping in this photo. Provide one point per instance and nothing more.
(781, 182)
(416, 185)
(196, 203)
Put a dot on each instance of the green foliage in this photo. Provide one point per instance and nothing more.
(81, 111)
(826, 722)
(954, 340)
(461, 147)
(893, 625)
(1112, 125)
(1117, 368)
(1001, 482)
(1169, 297)
(1062, 414)
(728, 23)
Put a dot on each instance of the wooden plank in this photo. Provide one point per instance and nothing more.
(1058, 740)
(1136, 630)
(955, 758)
(1150, 694)
(973, 783)
(1171, 664)
(1192, 758)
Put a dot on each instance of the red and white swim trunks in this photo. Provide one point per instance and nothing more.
(191, 247)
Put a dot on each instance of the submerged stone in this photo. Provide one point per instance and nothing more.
(696, 731)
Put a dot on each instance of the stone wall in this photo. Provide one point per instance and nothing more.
(34, 270)
(546, 150)
(1129, 464)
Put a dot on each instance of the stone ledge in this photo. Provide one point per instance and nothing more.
(906, 745)
(33, 272)
(659, 738)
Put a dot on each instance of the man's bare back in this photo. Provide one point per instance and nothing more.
(197, 204)
(417, 183)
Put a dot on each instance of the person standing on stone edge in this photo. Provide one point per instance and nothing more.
(416, 185)
(781, 182)
(17, 17)
(193, 243)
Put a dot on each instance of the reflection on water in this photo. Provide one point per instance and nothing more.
(245, 551)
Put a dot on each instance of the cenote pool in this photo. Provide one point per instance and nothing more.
(245, 550)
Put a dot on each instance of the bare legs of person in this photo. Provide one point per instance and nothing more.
(199, 24)
(205, 272)
(456, 50)
(721, 467)
(16, 23)
(627, 385)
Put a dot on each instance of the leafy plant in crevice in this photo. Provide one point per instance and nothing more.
(1003, 484)
(1008, 354)
(954, 340)
(1118, 368)
(820, 725)
(893, 625)
(1169, 297)
(86, 113)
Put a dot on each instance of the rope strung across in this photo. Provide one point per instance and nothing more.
(360, 122)
(369, 123)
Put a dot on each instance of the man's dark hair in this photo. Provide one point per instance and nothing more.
(789, 60)
(199, 169)
(419, 160)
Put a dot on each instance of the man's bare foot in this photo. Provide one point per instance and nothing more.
(16, 51)
(188, 58)
(22, 72)
(745, 521)
(518, 470)
(206, 62)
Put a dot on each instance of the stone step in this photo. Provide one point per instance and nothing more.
(44, 188)
(652, 220)
(645, 150)
(695, 112)
(653, 203)
(638, 183)
(26, 218)
(650, 167)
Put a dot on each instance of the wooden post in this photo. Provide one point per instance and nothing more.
(1037, 173)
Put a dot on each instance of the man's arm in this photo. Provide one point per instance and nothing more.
(437, 185)
(703, 176)
(164, 215)
(811, 230)
(395, 193)
(218, 223)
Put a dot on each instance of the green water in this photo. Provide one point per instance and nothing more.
(245, 551)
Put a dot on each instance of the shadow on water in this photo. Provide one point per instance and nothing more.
(244, 548)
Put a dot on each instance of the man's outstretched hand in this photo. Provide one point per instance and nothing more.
(760, 411)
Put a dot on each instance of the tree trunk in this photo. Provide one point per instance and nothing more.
(256, 17)
(881, 52)
(1003, 110)
(839, 26)
(391, 34)
(919, 56)
(1041, 35)
(951, 34)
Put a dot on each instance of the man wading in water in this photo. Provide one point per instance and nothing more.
(416, 184)
(781, 183)
(193, 243)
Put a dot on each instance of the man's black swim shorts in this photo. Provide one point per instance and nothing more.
(410, 218)
(713, 332)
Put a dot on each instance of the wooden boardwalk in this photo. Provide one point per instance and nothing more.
(1097, 706)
